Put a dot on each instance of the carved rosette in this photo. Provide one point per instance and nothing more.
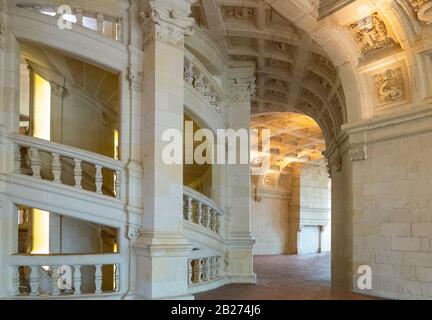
(358, 152)
(167, 21)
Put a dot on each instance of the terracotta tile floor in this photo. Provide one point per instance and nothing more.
(301, 277)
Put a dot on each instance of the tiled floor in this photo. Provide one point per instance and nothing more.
(285, 278)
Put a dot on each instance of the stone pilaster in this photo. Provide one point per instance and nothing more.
(242, 89)
(162, 252)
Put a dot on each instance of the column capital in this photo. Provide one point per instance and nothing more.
(358, 152)
(167, 21)
(242, 84)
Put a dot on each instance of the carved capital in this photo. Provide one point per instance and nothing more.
(134, 232)
(358, 152)
(242, 90)
(167, 21)
(136, 79)
(57, 90)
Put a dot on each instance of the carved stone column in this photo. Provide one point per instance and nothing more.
(162, 252)
(241, 92)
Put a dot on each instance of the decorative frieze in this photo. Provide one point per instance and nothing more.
(167, 21)
(389, 86)
(358, 152)
(241, 13)
(242, 90)
(370, 33)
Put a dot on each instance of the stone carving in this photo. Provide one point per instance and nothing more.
(423, 9)
(57, 89)
(161, 22)
(2, 34)
(389, 86)
(242, 90)
(136, 79)
(358, 152)
(244, 13)
(371, 33)
(134, 232)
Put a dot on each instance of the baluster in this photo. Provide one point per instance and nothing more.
(100, 22)
(17, 158)
(213, 221)
(98, 279)
(190, 272)
(99, 179)
(188, 73)
(213, 267)
(35, 163)
(198, 213)
(34, 281)
(56, 167)
(78, 173)
(117, 278)
(188, 210)
(218, 267)
(218, 224)
(77, 280)
(15, 281)
(196, 267)
(200, 270)
(119, 32)
(208, 217)
(206, 271)
(117, 184)
(55, 275)
(79, 16)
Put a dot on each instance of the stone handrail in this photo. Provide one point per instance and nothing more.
(50, 161)
(63, 275)
(201, 210)
(200, 79)
(108, 15)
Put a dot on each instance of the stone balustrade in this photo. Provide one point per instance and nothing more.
(200, 210)
(202, 82)
(62, 276)
(204, 270)
(107, 24)
(65, 165)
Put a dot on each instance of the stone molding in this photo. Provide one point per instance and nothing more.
(136, 79)
(167, 21)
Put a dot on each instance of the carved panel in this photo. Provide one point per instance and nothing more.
(371, 33)
(241, 14)
(389, 86)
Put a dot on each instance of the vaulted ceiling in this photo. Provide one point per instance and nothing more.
(293, 73)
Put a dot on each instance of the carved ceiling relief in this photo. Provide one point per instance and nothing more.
(239, 13)
(371, 33)
(390, 86)
(423, 9)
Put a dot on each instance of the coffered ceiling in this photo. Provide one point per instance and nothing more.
(293, 73)
(295, 138)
